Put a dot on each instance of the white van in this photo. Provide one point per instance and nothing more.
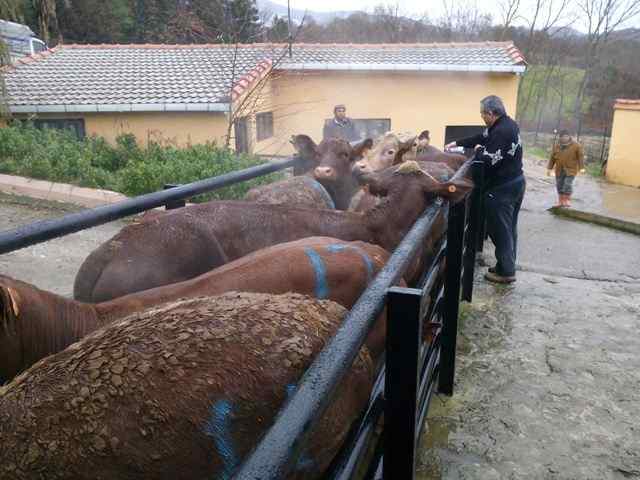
(20, 40)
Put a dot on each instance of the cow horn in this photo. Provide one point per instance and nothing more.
(10, 310)
(14, 297)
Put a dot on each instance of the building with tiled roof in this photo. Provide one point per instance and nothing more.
(184, 93)
(623, 164)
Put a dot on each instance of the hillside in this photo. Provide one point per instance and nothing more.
(297, 14)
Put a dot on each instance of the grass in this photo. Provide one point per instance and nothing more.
(533, 84)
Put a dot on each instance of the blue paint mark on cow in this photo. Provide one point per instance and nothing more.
(323, 191)
(290, 389)
(322, 285)
(340, 247)
(218, 427)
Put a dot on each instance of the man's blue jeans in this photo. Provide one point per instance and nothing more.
(503, 206)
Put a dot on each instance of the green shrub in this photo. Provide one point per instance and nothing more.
(58, 156)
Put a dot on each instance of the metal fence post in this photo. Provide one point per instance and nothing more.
(474, 238)
(173, 204)
(452, 274)
(469, 251)
(478, 169)
(402, 384)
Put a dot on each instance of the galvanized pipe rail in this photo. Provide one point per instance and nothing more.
(44, 230)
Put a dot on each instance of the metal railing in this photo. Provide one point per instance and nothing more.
(44, 230)
(413, 368)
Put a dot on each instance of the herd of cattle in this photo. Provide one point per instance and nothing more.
(191, 327)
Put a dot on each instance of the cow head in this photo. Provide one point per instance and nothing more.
(410, 178)
(337, 157)
(387, 152)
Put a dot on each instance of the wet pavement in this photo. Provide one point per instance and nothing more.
(592, 194)
(52, 265)
(548, 372)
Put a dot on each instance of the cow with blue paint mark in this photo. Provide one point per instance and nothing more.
(35, 323)
(181, 391)
(131, 260)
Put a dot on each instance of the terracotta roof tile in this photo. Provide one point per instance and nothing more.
(178, 74)
(627, 104)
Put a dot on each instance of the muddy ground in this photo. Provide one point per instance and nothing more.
(52, 265)
(548, 372)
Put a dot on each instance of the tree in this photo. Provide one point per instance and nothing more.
(10, 10)
(463, 22)
(151, 18)
(547, 21)
(509, 10)
(602, 18)
(229, 21)
(96, 21)
(279, 30)
(47, 20)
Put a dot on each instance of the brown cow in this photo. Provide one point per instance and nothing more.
(127, 262)
(182, 391)
(302, 190)
(335, 158)
(36, 323)
(364, 201)
(432, 154)
(388, 150)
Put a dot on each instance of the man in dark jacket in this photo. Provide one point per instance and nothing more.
(500, 148)
(340, 126)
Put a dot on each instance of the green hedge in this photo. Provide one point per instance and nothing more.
(56, 155)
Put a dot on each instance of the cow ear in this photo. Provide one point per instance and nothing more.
(305, 146)
(358, 149)
(459, 185)
(403, 147)
(425, 134)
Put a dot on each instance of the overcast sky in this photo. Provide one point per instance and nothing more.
(416, 8)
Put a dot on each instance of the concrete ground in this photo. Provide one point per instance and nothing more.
(52, 265)
(548, 372)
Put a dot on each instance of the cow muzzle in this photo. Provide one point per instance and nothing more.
(362, 167)
(325, 173)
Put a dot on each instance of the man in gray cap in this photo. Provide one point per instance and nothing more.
(340, 126)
